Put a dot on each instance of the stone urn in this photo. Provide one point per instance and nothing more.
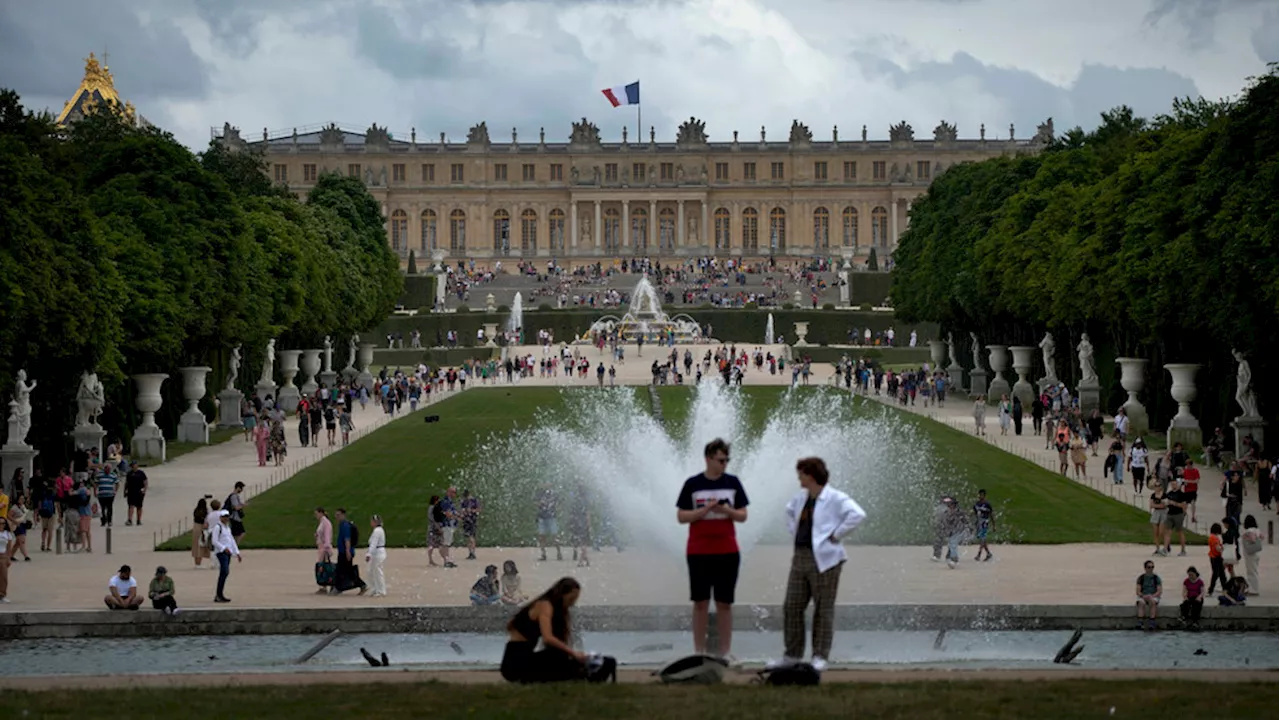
(288, 395)
(365, 359)
(310, 366)
(148, 439)
(1023, 359)
(437, 261)
(937, 354)
(192, 426)
(802, 332)
(1184, 427)
(489, 305)
(490, 332)
(1132, 379)
(796, 298)
(999, 361)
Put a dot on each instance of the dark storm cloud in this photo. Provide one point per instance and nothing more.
(1198, 17)
(1031, 98)
(394, 45)
(43, 46)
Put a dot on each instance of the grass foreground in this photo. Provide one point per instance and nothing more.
(395, 470)
(1066, 699)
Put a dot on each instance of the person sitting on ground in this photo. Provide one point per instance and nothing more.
(511, 594)
(161, 592)
(122, 591)
(487, 590)
(1234, 592)
(545, 619)
(1192, 599)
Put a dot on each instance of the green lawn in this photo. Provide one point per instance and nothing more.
(1066, 699)
(395, 470)
(175, 449)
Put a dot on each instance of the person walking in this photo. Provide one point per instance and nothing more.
(224, 548)
(376, 556)
(347, 575)
(980, 416)
(710, 503)
(818, 517)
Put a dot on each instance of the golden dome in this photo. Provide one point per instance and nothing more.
(97, 90)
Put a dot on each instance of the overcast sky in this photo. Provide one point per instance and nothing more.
(443, 65)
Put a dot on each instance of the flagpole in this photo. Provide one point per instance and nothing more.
(639, 126)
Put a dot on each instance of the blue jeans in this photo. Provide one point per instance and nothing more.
(224, 569)
(953, 545)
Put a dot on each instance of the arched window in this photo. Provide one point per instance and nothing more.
(639, 229)
(849, 227)
(556, 228)
(821, 229)
(667, 229)
(777, 230)
(722, 229)
(501, 232)
(612, 230)
(880, 227)
(529, 232)
(750, 230)
(400, 231)
(457, 232)
(428, 231)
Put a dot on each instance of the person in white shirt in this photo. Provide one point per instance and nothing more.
(375, 556)
(122, 591)
(819, 517)
(224, 547)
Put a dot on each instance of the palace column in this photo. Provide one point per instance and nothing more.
(680, 238)
(626, 223)
(653, 225)
(573, 224)
(865, 237)
(704, 239)
(893, 223)
(597, 229)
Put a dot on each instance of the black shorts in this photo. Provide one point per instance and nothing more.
(1190, 495)
(710, 574)
(237, 528)
(135, 500)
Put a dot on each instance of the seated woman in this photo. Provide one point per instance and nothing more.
(161, 592)
(1235, 591)
(486, 591)
(511, 594)
(545, 619)
(1192, 598)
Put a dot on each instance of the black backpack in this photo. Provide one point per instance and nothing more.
(799, 674)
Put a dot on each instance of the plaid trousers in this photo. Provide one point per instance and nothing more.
(805, 583)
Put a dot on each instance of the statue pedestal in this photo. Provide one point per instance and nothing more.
(193, 428)
(229, 408)
(349, 374)
(1050, 380)
(288, 398)
(1090, 394)
(148, 442)
(265, 390)
(956, 374)
(977, 382)
(329, 378)
(365, 378)
(89, 436)
(17, 456)
(1244, 425)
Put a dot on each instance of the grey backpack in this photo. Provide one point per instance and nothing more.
(694, 670)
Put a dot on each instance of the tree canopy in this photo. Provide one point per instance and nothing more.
(1158, 237)
(124, 252)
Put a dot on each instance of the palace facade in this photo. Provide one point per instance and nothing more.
(585, 200)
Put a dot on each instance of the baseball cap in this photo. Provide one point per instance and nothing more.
(224, 513)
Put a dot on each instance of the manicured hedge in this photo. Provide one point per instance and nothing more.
(419, 292)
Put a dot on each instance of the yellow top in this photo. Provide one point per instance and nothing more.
(96, 89)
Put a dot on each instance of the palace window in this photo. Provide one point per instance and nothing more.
(850, 170)
(528, 232)
(667, 229)
(849, 227)
(612, 230)
(877, 170)
(557, 172)
(457, 232)
(880, 227)
(309, 173)
(637, 172)
(611, 172)
(820, 170)
(777, 230)
(455, 173)
(399, 231)
(722, 229)
(776, 171)
(639, 229)
(281, 173)
(500, 172)
(821, 229)
(501, 232)
(528, 172)
(556, 226)
(922, 169)
(749, 171)
(353, 170)
(428, 173)
(750, 229)
(397, 172)
(722, 172)
(428, 231)
(667, 171)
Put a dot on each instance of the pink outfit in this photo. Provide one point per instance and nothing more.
(260, 437)
(324, 539)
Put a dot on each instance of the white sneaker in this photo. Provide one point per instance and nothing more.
(785, 662)
(951, 564)
(935, 558)
(819, 663)
(175, 611)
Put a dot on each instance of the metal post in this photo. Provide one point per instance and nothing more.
(57, 538)
(108, 539)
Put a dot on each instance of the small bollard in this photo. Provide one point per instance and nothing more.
(57, 540)
(108, 539)
(1271, 532)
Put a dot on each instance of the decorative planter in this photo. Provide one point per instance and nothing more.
(289, 366)
(1132, 379)
(490, 332)
(489, 305)
(365, 377)
(192, 426)
(148, 440)
(802, 332)
(1184, 427)
(1022, 362)
(938, 354)
(999, 361)
(310, 366)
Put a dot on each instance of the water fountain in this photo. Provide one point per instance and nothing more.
(768, 330)
(645, 318)
(515, 321)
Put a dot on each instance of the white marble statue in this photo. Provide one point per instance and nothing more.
(89, 399)
(976, 348)
(693, 232)
(328, 354)
(1088, 375)
(269, 363)
(951, 350)
(1245, 398)
(22, 395)
(233, 368)
(1047, 346)
(351, 352)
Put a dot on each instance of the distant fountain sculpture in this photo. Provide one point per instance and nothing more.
(515, 321)
(645, 318)
(768, 330)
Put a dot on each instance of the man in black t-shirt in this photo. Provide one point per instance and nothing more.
(135, 491)
(1175, 516)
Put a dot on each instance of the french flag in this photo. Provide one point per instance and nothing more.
(625, 95)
